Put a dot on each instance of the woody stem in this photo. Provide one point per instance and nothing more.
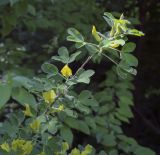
(82, 66)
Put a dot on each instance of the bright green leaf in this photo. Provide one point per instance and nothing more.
(74, 35)
(84, 77)
(49, 68)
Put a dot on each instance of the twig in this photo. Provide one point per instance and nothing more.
(109, 58)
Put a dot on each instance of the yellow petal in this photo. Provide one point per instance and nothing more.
(5, 146)
(87, 150)
(17, 144)
(49, 96)
(95, 34)
(59, 109)
(75, 151)
(66, 71)
(35, 125)
(65, 146)
(27, 111)
(27, 147)
(113, 45)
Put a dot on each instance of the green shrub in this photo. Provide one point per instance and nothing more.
(46, 111)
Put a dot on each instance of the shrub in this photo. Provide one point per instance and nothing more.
(44, 113)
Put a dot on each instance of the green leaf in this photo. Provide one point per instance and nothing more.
(77, 124)
(109, 18)
(126, 139)
(122, 118)
(23, 97)
(70, 112)
(79, 45)
(121, 72)
(123, 66)
(109, 140)
(129, 47)
(105, 43)
(109, 15)
(49, 69)
(130, 59)
(143, 150)
(92, 48)
(22, 81)
(102, 153)
(31, 10)
(135, 32)
(74, 35)
(91, 122)
(86, 98)
(113, 152)
(51, 126)
(82, 108)
(100, 120)
(125, 111)
(7, 26)
(58, 58)
(84, 77)
(73, 56)
(66, 134)
(125, 100)
(5, 93)
(63, 53)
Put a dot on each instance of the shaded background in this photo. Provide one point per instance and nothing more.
(43, 30)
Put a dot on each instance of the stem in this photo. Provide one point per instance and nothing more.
(109, 58)
(82, 66)
(103, 36)
(114, 49)
(61, 76)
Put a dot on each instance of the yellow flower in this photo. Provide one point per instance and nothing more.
(59, 109)
(66, 71)
(5, 146)
(75, 151)
(27, 111)
(87, 150)
(65, 147)
(114, 45)
(35, 125)
(25, 147)
(95, 34)
(17, 144)
(49, 96)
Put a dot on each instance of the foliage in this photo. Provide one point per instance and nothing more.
(24, 22)
(48, 109)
